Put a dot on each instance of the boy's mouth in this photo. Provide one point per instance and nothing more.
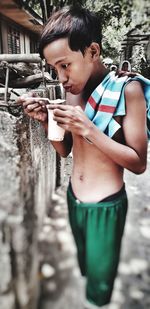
(67, 88)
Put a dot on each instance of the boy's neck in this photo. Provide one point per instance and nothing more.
(98, 75)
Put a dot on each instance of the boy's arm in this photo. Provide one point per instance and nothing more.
(135, 122)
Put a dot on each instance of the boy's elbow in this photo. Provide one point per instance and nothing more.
(141, 169)
(64, 154)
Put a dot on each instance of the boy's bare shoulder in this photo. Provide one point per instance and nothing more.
(134, 98)
(133, 89)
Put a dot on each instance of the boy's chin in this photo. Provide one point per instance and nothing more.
(75, 91)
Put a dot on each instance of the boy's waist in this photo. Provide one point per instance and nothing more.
(121, 193)
(90, 193)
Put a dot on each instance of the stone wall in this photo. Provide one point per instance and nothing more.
(28, 177)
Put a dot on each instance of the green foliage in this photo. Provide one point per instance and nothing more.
(139, 61)
(138, 57)
(118, 17)
(112, 38)
(111, 8)
(115, 17)
(75, 2)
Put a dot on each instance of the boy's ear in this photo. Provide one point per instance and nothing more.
(95, 50)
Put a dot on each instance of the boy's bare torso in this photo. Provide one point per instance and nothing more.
(94, 175)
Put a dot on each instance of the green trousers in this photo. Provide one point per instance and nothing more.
(98, 230)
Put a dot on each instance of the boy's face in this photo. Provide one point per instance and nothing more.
(73, 68)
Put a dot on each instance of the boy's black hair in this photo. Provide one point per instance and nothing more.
(78, 24)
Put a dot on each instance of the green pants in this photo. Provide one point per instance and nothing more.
(98, 230)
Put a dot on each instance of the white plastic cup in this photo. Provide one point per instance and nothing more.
(55, 132)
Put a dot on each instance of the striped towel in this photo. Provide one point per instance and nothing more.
(108, 100)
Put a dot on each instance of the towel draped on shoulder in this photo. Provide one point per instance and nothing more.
(108, 101)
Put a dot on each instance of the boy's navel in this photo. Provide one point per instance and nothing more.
(81, 177)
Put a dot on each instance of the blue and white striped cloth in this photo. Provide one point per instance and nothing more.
(108, 100)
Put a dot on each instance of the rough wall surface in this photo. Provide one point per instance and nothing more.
(27, 181)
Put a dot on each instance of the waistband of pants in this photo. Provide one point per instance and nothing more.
(109, 199)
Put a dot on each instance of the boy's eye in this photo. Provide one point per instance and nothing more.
(64, 66)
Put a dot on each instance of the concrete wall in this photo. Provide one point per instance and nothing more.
(28, 176)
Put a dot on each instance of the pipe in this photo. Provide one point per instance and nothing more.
(20, 58)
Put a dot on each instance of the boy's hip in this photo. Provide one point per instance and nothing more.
(115, 199)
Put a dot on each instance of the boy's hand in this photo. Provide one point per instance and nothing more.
(121, 73)
(32, 107)
(71, 118)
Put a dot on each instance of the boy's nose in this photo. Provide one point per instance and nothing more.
(62, 77)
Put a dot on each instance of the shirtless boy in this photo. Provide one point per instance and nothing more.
(97, 199)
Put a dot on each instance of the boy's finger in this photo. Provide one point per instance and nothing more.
(30, 101)
(31, 107)
(37, 109)
(60, 121)
(59, 112)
